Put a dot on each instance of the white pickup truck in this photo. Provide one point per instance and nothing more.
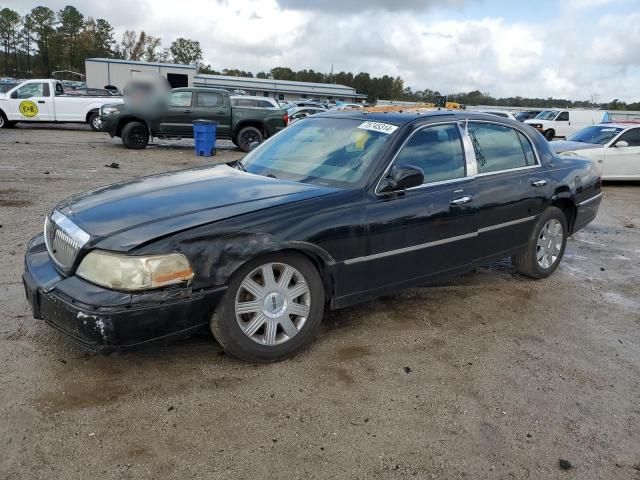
(47, 101)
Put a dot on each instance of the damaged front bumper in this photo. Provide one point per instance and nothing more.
(102, 320)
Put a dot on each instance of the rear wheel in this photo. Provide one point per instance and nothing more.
(272, 308)
(549, 134)
(546, 245)
(135, 135)
(247, 136)
(94, 121)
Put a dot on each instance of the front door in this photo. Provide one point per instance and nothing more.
(177, 120)
(511, 188)
(622, 161)
(214, 106)
(31, 103)
(425, 230)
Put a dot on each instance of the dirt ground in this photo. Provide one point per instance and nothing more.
(489, 376)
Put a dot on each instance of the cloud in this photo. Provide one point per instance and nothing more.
(436, 44)
(350, 6)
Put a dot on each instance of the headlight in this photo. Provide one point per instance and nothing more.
(109, 110)
(124, 272)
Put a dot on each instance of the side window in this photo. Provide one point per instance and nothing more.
(59, 89)
(31, 90)
(265, 104)
(527, 149)
(497, 147)
(207, 99)
(181, 99)
(632, 137)
(437, 151)
(563, 117)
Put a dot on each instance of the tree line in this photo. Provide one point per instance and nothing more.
(45, 41)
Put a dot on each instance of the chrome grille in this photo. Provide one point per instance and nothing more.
(63, 239)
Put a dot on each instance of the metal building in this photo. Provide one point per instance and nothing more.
(108, 71)
(285, 90)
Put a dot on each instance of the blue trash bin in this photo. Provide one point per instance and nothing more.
(204, 133)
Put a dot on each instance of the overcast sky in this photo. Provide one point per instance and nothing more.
(569, 48)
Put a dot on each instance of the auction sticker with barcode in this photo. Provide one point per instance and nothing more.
(378, 127)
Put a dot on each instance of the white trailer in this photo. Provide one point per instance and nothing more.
(45, 100)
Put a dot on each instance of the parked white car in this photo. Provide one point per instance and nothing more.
(559, 122)
(615, 147)
(501, 113)
(254, 102)
(46, 101)
(296, 114)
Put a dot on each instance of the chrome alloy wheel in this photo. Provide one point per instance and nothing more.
(272, 303)
(549, 244)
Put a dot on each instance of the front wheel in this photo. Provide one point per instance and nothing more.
(549, 134)
(248, 136)
(135, 135)
(4, 123)
(546, 245)
(94, 122)
(272, 308)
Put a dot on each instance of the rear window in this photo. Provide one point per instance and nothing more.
(208, 99)
(499, 148)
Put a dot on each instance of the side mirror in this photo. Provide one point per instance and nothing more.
(402, 178)
(14, 95)
(621, 144)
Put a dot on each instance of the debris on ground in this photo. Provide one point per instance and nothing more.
(112, 165)
(565, 464)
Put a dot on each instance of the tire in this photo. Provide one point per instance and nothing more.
(94, 121)
(549, 134)
(246, 136)
(263, 333)
(135, 135)
(544, 241)
(4, 123)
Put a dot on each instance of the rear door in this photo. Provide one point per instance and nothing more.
(31, 102)
(425, 230)
(214, 106)
(177, 120)
(624, 161)
(511, 187)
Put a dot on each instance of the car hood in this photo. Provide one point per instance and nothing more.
(560, 146)
(123, 215)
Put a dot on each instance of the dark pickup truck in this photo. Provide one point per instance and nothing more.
(243, 126)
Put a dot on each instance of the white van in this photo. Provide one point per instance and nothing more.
(558, 122)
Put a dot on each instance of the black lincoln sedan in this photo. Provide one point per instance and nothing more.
(336, 209)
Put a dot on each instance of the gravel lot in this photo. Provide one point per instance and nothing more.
(489, 376)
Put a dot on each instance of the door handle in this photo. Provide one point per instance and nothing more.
(41, 101)
(538, 183)
(461, 200)
(187, 111)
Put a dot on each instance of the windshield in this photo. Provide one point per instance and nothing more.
(325, 151)
(595, 134)
(547, 115)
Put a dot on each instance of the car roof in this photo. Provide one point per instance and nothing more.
(618, 124)
(409, 116)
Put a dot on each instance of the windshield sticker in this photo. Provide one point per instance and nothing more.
(378, 127)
